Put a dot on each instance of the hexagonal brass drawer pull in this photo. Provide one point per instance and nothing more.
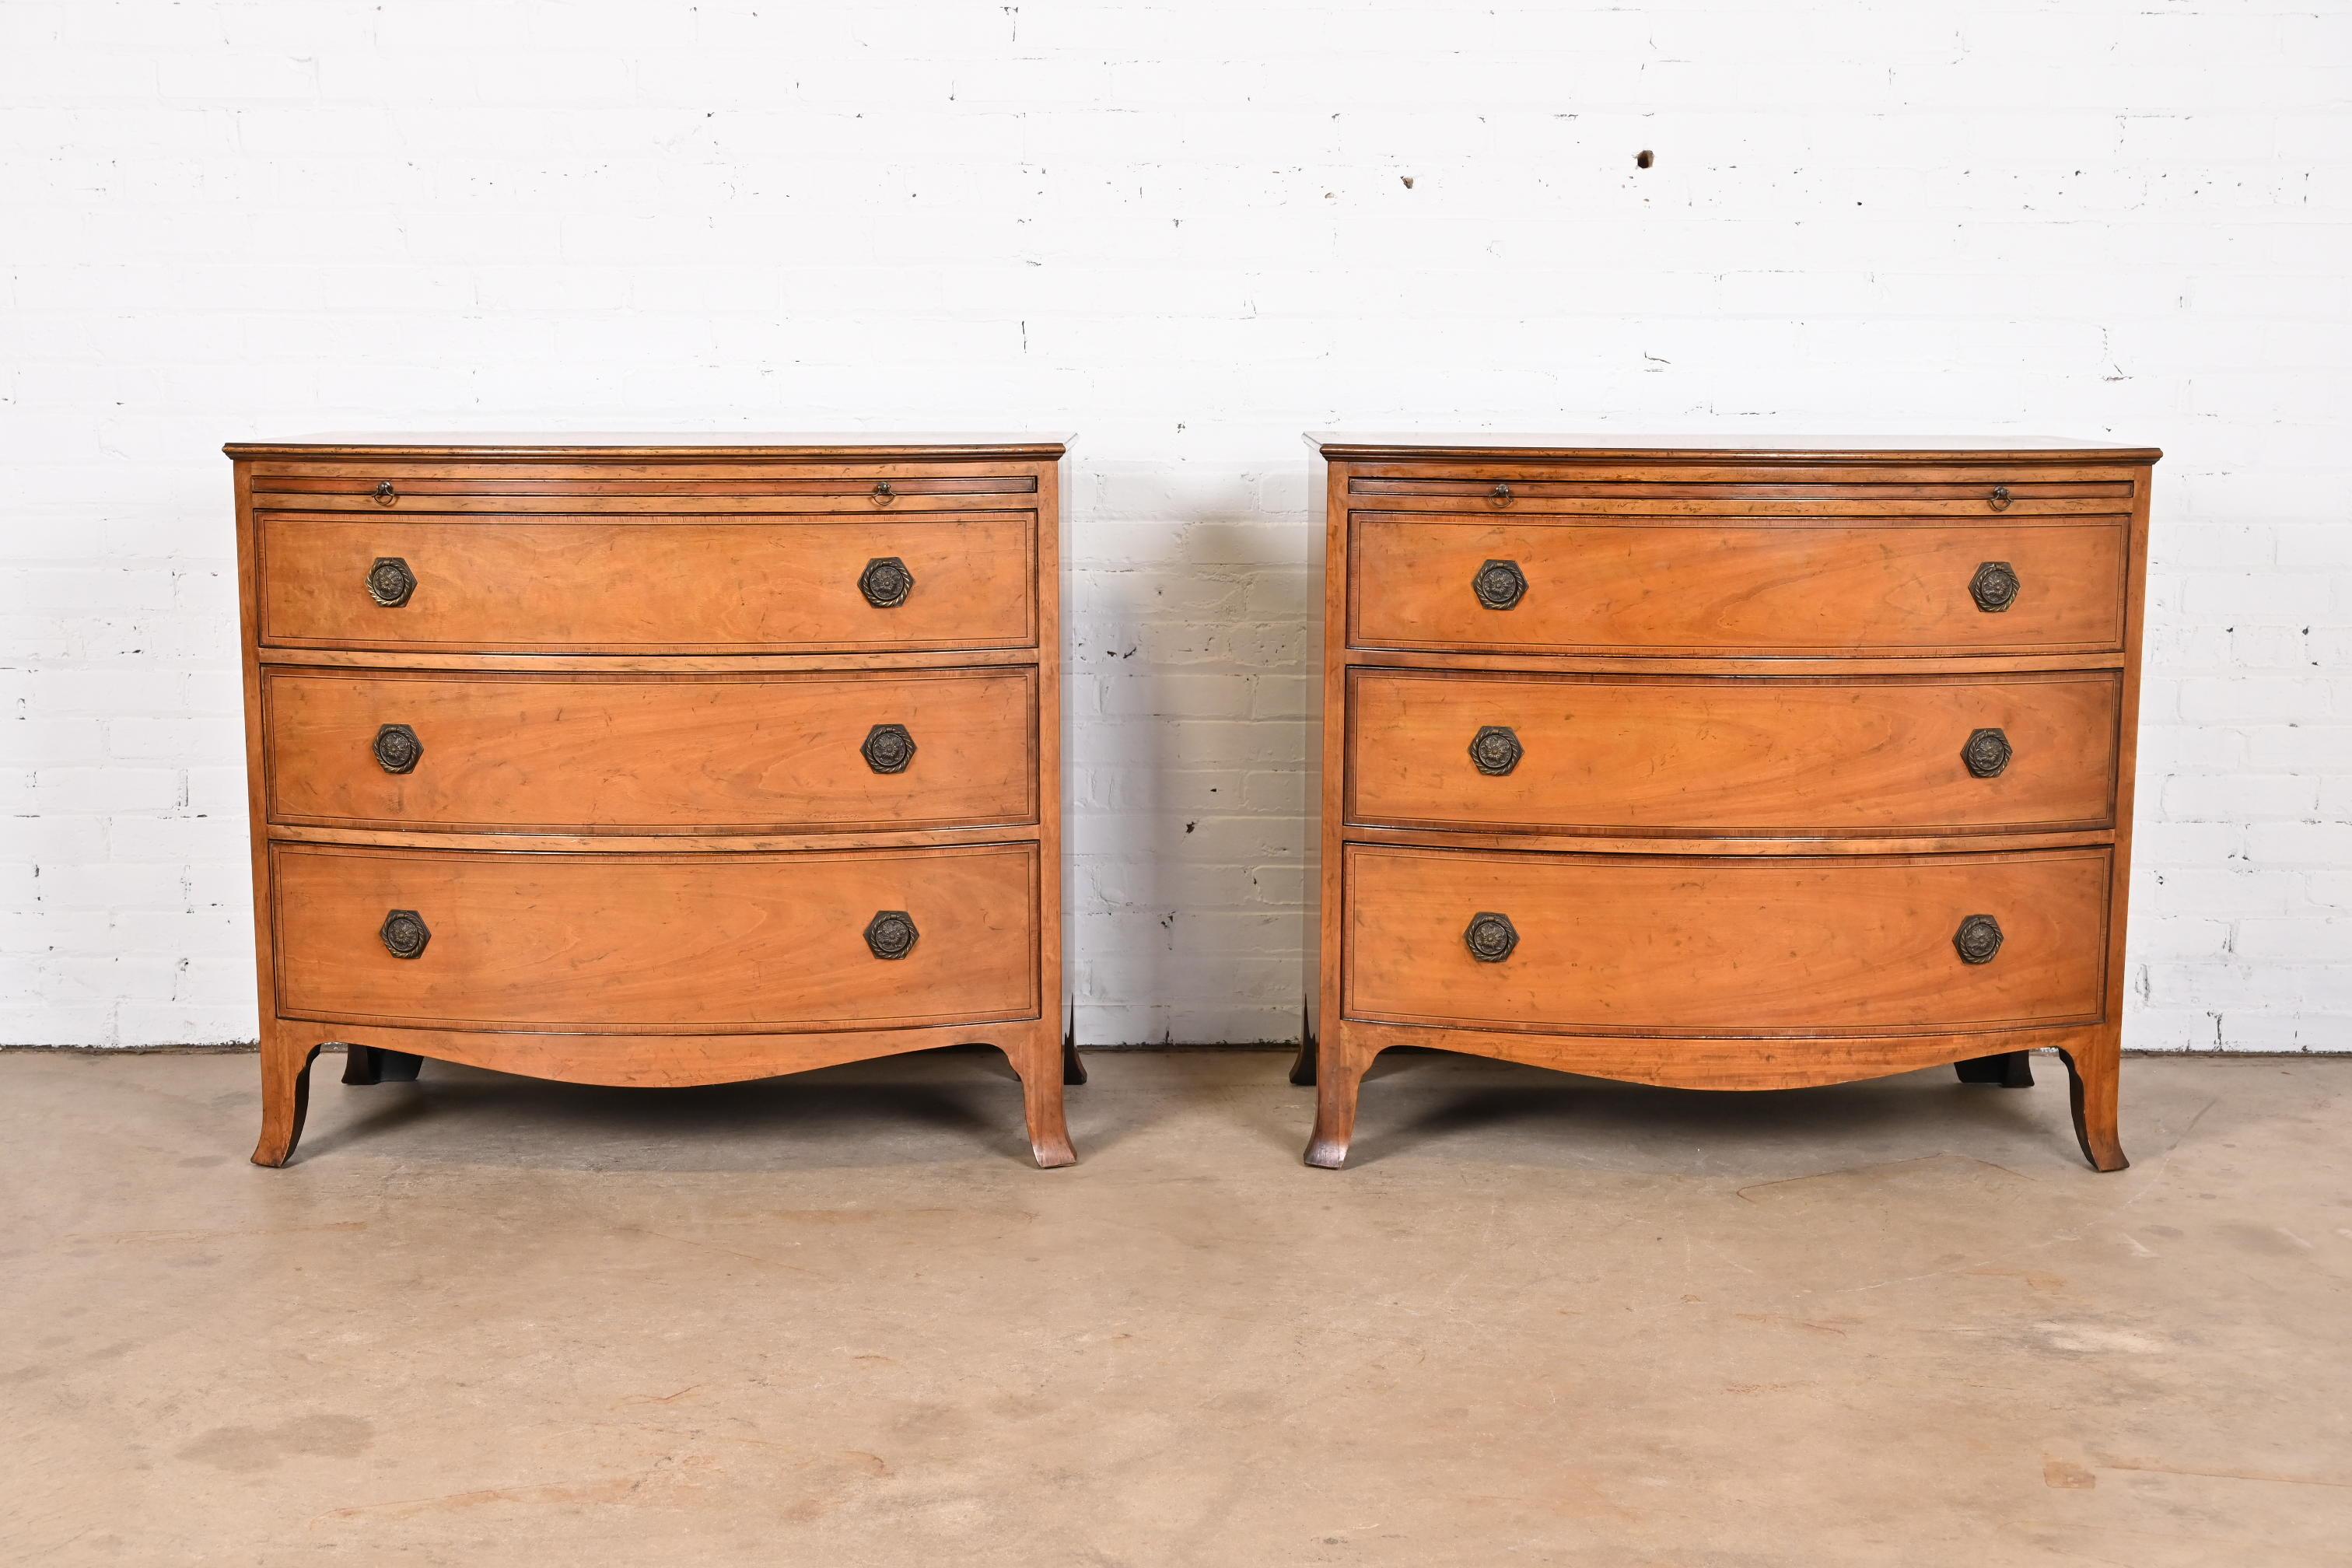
(405, 933)
(891, 933)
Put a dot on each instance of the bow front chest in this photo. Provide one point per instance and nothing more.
(654, 761)
(1733, 768)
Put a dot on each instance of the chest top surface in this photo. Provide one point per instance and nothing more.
(1487, 445)
(680, 445)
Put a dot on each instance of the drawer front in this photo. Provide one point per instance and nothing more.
(652, 753)
(394, 486)
(1702, 587)
(693, 584)
(1755, 946)
(1779, 492)
(655, 943)
(1609, 753)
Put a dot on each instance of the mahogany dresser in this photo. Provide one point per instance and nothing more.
(1725, 767)
(650, 760)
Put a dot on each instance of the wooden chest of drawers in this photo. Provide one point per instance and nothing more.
(653, 760)
(1726, 768)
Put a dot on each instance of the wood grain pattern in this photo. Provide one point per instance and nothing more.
(1371, 450)
(1705, 843)
(1737, 589)
(680, 1061)
(1800, 492)
(1724, 504)
(430, 487)
(1615, 663)
(686, 585)
(1729, 1063)
(649, 663)
(1611, 944)
(593, 499)
(613, 841)
(1740, 756)
(1737, 816)
(682, 448)
(658, 943)
(651, 754)
(642, 833)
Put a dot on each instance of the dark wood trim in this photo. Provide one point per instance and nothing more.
(1475, 449)
(626, 447)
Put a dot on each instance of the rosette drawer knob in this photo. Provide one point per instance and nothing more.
(889, 748)
(397, 749)
(1986, 752)
(1978, 938)
(1496, 750)
(891, 933)
(885, 581)
(405, 933)
(1490, 937)
(1994, 587)
(1499, 584)
(390, 581)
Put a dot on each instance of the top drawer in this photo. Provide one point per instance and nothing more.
(1734, 587)
(649, 585)
(394, 486)
(1698, 490)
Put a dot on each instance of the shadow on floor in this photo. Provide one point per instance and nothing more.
(935, 1108)
(1418, 1102)
(941, 1105)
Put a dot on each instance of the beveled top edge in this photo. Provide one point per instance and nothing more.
(596, 445)
(1428, 446)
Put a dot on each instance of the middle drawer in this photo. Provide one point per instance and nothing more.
(652, 753)
(1732, 755)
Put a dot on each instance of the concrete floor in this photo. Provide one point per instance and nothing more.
(838, 1320)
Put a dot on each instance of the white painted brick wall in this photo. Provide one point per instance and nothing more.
(1188, 232)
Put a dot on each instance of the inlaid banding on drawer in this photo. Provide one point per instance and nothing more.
(1790, 756)
(391, 482)
(859, 495)
(655, 943)
(646, 753)
(1835, 493)
(688, 585)
(1752, 588)
(1603, 944)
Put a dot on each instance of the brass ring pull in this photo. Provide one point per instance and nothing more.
(2000, 497)
(1501, 494)
(385, 495)
(883, 494)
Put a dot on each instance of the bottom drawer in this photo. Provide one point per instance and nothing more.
(1607, 945)
(656, 942)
